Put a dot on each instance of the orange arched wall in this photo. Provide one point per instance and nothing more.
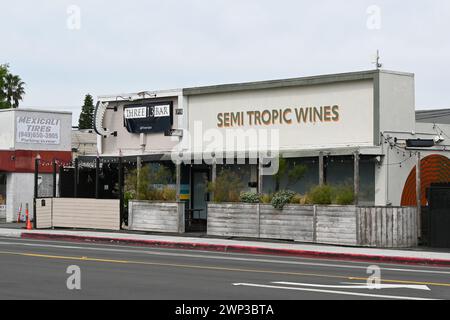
(435, 169)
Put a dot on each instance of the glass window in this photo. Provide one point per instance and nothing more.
(299, 175)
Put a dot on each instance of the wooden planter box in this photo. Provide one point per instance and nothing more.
(156, 216)
(381, 227)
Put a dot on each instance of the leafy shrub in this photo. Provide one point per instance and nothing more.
(344, 195)
(282, 198)
(250, 197)
(321, 195)
(227, 187)
(326, 195)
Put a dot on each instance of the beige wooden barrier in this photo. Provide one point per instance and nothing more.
(78, 213)
(44, 210)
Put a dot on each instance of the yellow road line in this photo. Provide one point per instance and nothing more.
(87, 259)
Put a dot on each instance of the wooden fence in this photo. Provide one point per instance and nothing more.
(387, 227)
(78, 213)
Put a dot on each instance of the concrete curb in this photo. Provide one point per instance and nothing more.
(241, 249)
(11, 233)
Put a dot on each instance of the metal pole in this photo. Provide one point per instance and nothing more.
(36, 187)
(61, 174)
(138, 178)
(97, 178)
(321, 169)
(178, 174)
(213, 176)
(419, 193)
(54, 178)
(121, 198)
(75, 179)
(260, 176)
(357, 178)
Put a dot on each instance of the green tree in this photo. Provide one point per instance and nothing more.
(11, 88)
(14, 90)
(87, 113)
(3, 74)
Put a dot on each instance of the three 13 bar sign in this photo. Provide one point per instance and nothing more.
(149, 118)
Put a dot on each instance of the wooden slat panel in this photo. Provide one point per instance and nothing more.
(156, 216)
(44, 213)
(86, 214)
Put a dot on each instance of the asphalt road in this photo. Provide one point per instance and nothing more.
(38, 270)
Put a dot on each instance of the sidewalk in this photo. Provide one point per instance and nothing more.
(417, 257)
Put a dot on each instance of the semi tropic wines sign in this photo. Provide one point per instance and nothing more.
(279, 117)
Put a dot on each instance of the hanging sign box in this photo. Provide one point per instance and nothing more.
(148, 117)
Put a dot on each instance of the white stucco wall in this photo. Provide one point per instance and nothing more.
(397, 102)
(354, 128)
(130, 144)
(19, 190)
(391, 176)
(7, 130)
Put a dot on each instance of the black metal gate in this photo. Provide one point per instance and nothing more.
(439, 216)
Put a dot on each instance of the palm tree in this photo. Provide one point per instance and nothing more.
(14, 90)
(3, 74)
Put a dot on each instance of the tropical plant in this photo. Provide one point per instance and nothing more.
(292, 173)
(344, 195)
(3, 74)
(321, 195)
(87, 113)
(227, 187)
(150, 183)
(14, 87)
(326, 195)
(11, 88)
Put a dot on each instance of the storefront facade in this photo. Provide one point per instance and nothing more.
(26, 134)
(345, 129)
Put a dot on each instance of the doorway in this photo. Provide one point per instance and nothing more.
(439, 216)
(198, 212)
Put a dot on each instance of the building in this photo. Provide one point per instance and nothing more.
(441, 116)
(84, 142)
(27, 134)
(355, 129)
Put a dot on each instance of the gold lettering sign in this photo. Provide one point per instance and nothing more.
(279, 116)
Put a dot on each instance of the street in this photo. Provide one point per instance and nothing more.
(38, 270)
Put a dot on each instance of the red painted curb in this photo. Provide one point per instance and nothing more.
(241, 249)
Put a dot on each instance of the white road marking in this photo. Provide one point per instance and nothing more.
(357, 286)
(220, 257)
(331, 292)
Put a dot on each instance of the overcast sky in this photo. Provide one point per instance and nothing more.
(135, 45)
